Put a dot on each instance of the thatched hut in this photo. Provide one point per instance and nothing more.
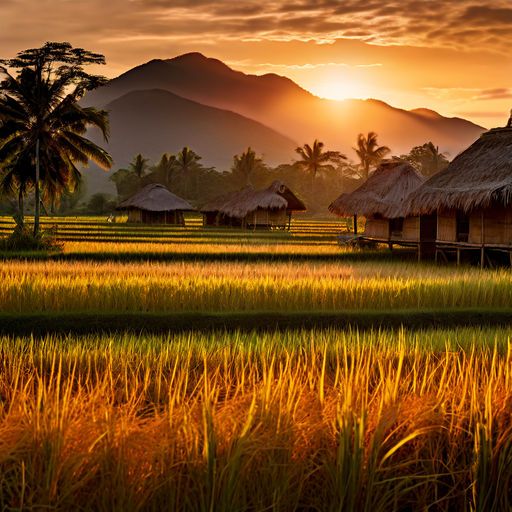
(470, 202)
(249, 208)
(380, 200)
(155, 204)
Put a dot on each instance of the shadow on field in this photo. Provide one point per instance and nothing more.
(156, 323)
(241, 257)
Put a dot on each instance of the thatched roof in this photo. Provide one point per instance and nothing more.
(382, 194)
(155, 198)
(478, 176)
(239, 204)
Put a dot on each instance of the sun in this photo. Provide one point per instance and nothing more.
(338, 90)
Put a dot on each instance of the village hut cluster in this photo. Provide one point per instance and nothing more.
(270, 208)
(465, 209)
(249, 208)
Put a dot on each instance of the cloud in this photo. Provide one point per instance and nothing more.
(441, 23)
(499, 93)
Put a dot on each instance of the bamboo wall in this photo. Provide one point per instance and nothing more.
(411, 230)
(145, 217)
(267, 218)
(377, 228)
(497, 226)
(447, 226)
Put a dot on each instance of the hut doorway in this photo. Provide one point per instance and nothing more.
(462, 226)
(428, 236)
(396, 228)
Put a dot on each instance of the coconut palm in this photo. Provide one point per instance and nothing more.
(139, 165)
(427, 159)
(369, 152)
(187, 164)
(43, 124)
(246, 165)
(165, 168)
(314, 159)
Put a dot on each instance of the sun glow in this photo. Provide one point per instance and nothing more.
(339, 90)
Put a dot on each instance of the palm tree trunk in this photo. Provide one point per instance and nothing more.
(21, 209)
(37, 210)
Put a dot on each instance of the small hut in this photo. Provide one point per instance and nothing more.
(249, 208)
(470, 202)
(380, 200)
(155, 204)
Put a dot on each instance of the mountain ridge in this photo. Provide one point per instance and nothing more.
(156, 121)
(284, 106)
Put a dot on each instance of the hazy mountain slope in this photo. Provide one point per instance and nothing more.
(281, 104)
(154, 121)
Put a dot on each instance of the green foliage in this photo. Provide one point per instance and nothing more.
(42, 124)
(23, 239)
(427, 159)
(245, 166)
(369, 152)
(100, 204)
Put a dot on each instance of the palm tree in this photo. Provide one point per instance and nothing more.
(369, 152)
(187, 162)
(43, 123)
(165, 168)
(139, 165)
(427, 159)
(315, 160)
(435, 160)
(245, 165)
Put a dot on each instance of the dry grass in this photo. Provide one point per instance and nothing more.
(305, 420)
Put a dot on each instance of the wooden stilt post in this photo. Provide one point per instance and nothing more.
(355, 224)
(458, 256)
(482, 240)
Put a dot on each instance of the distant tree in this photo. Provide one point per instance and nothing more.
(44, 125)
(188, 164)
(129, 180)
(369, 152)
(100, 204)
(427, 159)
(139, 165)
(314, 160)
(164, 169)
(245, 166)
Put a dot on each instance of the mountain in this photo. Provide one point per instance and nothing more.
(281, 104)
(154, 121)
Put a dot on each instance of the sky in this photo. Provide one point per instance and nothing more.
(452, 56)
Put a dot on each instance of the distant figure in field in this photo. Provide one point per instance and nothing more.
(509, 124)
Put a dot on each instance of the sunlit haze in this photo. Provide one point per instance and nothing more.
(452, 57)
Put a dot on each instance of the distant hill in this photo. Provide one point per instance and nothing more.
(281, 104)
(155, 121)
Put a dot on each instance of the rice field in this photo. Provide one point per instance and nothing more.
(306, 420)
(33, 286)
(335, 419)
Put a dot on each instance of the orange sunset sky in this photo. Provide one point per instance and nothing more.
(451, 56)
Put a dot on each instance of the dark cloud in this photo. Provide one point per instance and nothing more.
(499, 93)
(487, 15)
(440, 23)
